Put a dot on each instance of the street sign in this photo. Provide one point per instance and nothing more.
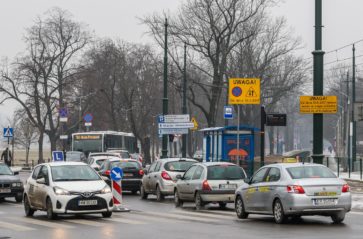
(276, 119)
(228, 112)
(88, 117)
(8, 132)
(57, 156)
(88, 124)
(116, 174)
(358, 111)
(173, 131)
(318, 104)
(63, 119)
(63, 112)
(176, 125)
(173, 118)
(195, 124)
(63, 136)
(245, 91)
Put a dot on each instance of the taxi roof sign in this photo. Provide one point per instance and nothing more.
(290, 160)
(245, 91)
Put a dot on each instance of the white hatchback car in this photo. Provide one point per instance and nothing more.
(66, 188)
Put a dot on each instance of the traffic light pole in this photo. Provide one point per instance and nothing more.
(164, 151)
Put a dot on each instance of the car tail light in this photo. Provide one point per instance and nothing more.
(345, 188)
(295, 189)
(141, 172)
(205, 186)
(165, 175)
(107, 172)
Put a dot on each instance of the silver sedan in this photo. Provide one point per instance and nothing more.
(293, 190)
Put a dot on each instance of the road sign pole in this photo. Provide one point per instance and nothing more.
(9, 150)
(262, 149)
(184, 137)
(164, 151)
(238, 135)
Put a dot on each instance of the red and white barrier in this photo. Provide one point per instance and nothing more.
(117, 193)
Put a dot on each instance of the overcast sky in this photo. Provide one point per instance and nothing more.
(342, 20)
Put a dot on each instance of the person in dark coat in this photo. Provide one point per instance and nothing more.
(6, 156)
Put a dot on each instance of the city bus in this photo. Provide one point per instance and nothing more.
(101, 141)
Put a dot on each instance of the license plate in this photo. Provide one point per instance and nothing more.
(128, 175)
(325, 194)
(5, 190)
(324, 201)
(228, 186)
(87, 202)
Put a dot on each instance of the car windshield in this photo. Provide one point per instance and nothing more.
(222, 172)
(310, 172)
(126, 164)
(178, 166)
(5, 170)
(73, 173)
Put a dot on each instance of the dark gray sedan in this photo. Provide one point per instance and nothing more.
(10, 184)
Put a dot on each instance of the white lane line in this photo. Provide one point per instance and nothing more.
(42, 222)
(228, 213)
(85, 222)
(180, 217)
(15, 227)
(357, 213)
(150, 218)
(126, 221)
(203, 214)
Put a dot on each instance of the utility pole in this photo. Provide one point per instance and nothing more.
(184, 139)
(318, 85)
(348, 125)
(354, 136)
(164, 151)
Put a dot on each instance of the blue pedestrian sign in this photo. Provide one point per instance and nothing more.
(57, 156)
(228, 112)
(8, 132)
(116, 174)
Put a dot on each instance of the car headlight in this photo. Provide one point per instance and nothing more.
(106, 189)
(16, 185)
(60, 191)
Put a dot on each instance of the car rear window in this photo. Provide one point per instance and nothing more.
(125, 155)
(178, 166)
(126, 164)
(221, 172)
(310, 172)
(100, 161)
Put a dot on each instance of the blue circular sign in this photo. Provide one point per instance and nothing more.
(88, 117)
(236, 91)
(117, 174)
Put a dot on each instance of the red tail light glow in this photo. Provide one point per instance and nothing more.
(205, 186)
(107, 172)
(295, 189)
(141, 172)
(345, 188)
(165, 175)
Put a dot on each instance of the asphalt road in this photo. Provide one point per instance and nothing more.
(150, 219)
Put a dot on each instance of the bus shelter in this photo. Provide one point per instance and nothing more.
(220, 144)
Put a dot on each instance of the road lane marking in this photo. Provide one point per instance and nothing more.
(356, 213)
(42, 222)
(86, 222)
(15, 227)
(228, 213)
(203, 214)
(151, 218)
(179, 217)
(124, 220)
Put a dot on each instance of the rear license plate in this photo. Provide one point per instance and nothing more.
(228, 186)
(5, 190)
(324, 201)
(128, 175)
(325, 194)
(87, 202)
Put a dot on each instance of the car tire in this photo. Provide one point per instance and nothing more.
(338, 217)
(240, 208)
(159, 195)
(222, 205)
(199, 204)
(143, 194)
(278, 212)
(177, 201)
(19, 198)
(29, 212)
(2, 199)
(106, 214)
(50, 214)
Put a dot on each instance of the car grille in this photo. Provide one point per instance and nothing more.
(4, 185)
(72, 205)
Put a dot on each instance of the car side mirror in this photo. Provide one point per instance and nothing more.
(40, 180)
(248, 180)
(179, 177)
(16, 173)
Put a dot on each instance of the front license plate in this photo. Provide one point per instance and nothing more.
(5, 190)
(324, 201)
(325, 194)
(228, 186)
(87, 202)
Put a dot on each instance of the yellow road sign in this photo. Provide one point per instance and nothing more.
(244, 91)
(195, 124)
(318, 104)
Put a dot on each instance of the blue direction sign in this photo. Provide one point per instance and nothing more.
(8, 132)
(57, 156)
(88, 117)
(116, 174)
(228, 112)
(63, 112)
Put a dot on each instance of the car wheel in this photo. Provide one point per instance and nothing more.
(106, 214)
(240, 208)
(159, 195)
(19, 198)
(199, 204)
(50, 213)
(279, 214)
(338, 217)
(143, 194)
(177, 201)
(222, 205)
(2, 199)
(27, 208)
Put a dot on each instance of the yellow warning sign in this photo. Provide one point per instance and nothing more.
(244, 91)
(195, 124)
(325, 104)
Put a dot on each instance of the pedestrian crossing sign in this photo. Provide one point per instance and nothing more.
(244, 91)
(8, 132)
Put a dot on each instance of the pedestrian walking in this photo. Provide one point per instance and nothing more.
(6, 156)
